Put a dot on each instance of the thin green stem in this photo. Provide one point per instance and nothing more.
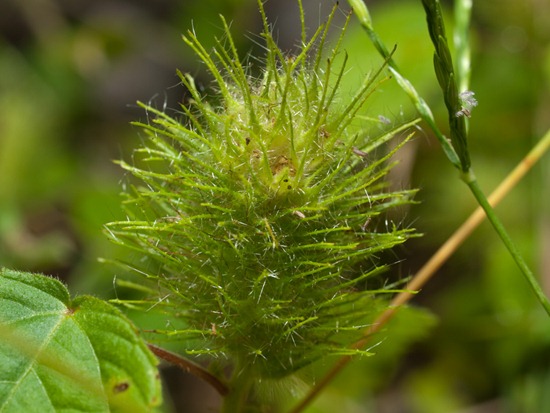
(472, 183)
(362, 13)
(237, 398)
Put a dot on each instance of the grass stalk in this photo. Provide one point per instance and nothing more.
(361, 11)
(473, 184)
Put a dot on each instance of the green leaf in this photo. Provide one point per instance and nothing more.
(58, 355)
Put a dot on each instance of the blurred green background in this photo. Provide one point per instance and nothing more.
(475, 339)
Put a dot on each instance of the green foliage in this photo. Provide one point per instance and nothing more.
(66, 355)
(261, 215)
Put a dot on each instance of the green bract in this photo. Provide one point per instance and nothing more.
(259, 212)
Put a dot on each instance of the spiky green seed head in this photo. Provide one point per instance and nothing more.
(258, 214)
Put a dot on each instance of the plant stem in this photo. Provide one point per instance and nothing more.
(189, 367)
(239, 389)
(362, 13)
(472, 183)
